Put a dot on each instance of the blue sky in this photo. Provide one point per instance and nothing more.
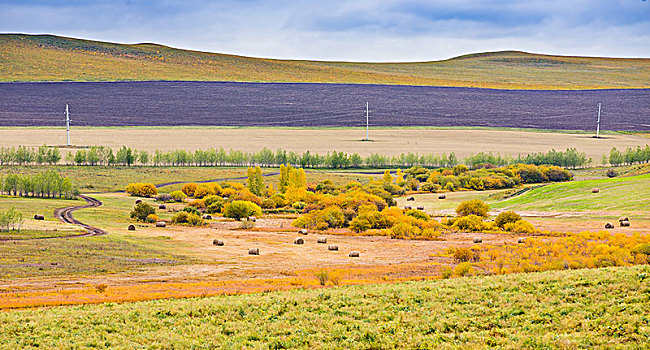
(363, 30)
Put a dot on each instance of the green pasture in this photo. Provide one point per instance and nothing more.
(572, 309)
(621, 195)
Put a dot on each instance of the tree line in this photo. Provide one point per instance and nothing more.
(48, 184)
(629, 156)
(125, 156)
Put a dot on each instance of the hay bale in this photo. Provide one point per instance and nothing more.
(207, 217)
(420, 208)
(322, 240)
(354, 254)
(609, 225)
(478, 240)
(131, 227)
(161, 224)
(521, 240)
(623, 218)
(303, 231)
(410, 199)
(251, 218)
(39, 217)
(299, 241)
(138, 201)
(442, 196)
(254, 251)
(332, 247)
(595, 190)
(162, 206)
(624, 223)
(408, 207)
(217, 242)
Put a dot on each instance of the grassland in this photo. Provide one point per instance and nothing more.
(387, 141)
(596, 309)
(624, 195)
(52, 58)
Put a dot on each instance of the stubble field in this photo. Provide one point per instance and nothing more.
(387, 141)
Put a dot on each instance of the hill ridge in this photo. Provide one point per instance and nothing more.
(47, 57)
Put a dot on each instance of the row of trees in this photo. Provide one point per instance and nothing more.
(125, 156)
(629, 156)
(48, 184)
(23, 155)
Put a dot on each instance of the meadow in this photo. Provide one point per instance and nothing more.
(53, 58)
(596, 309)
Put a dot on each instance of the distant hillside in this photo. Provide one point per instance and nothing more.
(53, 58)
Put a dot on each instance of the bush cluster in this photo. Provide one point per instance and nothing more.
(142, 189)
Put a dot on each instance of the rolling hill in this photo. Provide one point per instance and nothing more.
(53, 58)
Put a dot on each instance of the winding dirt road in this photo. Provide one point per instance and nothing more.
(65, 215)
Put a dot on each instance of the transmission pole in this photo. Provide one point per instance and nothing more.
(67, 123)
(367, 127)
(598, 122)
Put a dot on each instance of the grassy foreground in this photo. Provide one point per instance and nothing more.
(601, 308)
(52, 58)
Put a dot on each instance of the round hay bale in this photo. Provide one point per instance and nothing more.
(252, 218)
(623, 218)
(299, 241)
(322, 240)
(420, 208)
(138, 201)
(303, 231)
(161, 224)
(408, 207)
(478, 240)
(332, 247)
(162, 206)
(207, 217)
(609, 225)
(410, 199)
(354, 254)
(217, 242)
(521, 240)
(442, 196)
(131, 228)
(595, 190)
(254, 251)
(39, 217)
(624, 223)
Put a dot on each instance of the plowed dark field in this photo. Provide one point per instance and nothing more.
(251, 104)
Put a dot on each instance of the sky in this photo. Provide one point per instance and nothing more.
(360, 30)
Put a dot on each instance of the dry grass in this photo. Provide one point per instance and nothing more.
(50, 58)
(463, 142)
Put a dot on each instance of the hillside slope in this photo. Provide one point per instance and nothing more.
(574, 309)
(52, 58)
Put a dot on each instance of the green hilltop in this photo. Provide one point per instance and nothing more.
(53, 58)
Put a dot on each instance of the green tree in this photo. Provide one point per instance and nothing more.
(141, 211)
(241, 209)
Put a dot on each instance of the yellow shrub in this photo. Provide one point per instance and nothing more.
(203, 191)
(142, 189)
(189, 189)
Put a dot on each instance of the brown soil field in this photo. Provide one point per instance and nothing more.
(463, 142)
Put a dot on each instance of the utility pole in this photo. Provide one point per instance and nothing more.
(367, 127)
(598, 122)
(67, 123)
